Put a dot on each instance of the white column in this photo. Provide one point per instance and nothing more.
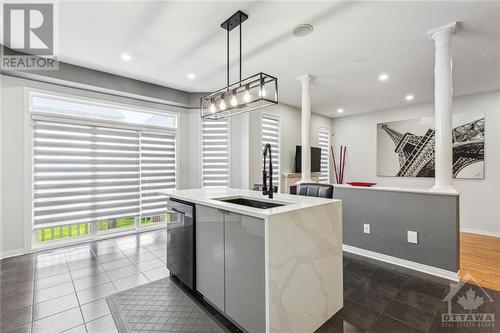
(306, 127)
(443, 97)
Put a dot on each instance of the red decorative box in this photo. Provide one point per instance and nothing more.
(362, 184)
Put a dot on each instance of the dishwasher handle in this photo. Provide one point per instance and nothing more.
(171, 209)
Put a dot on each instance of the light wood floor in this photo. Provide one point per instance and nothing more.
(480, 256)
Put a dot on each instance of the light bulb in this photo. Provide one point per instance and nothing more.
(222, 104)
(246, 96)
(262, 91)
(212, 107)
(234, 100)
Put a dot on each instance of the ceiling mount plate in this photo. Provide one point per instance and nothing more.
(234, 21)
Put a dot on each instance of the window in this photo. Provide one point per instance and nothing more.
(93, 178)
(65, 106)
(215, 153)
(324, 144)
(271, 135)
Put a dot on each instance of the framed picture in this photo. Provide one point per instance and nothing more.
(406, 148)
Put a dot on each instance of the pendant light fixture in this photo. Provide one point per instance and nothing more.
(255, 92)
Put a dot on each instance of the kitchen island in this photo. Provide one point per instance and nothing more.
(276, 269)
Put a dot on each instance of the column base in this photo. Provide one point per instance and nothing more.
(443, 188)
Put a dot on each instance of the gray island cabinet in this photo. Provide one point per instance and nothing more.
(273, 269)
(230, 265)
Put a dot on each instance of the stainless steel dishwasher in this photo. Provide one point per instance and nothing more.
(180, 241)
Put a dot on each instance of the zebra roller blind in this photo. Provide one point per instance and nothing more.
(215, 153)
(157, 171)
(87, 173)
(271, 135)
(324, 144)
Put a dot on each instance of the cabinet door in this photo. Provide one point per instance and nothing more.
(210, 254)
(245, 275)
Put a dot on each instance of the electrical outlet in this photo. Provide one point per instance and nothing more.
(366, 228)
(412, 237)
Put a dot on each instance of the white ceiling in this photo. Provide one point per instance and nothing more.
(352, 43)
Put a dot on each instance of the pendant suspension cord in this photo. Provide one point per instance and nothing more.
(228, 60)
(240, 50)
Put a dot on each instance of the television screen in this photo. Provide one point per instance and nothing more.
(315, 159)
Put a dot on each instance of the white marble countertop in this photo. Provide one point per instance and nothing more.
(209, 196)
(396, 189)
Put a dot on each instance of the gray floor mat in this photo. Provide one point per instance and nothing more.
(159, 306)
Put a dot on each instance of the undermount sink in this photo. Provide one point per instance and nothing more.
(252, 203)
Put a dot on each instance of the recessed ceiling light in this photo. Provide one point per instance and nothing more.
(383, 77)
(340, 110)
(191, 76)
(126, 57)
(409, 97)
(302, 30)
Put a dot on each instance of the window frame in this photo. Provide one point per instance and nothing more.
(229, 155)
(30, 115)
(93, 101)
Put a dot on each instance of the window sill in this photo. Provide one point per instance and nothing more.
(86, 239)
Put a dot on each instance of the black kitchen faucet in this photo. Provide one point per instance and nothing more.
(267, 190)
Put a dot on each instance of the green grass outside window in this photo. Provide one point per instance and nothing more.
(85, 228)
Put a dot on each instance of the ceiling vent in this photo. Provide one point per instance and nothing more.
(302, 30)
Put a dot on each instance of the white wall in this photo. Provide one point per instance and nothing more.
(14, 213)
(12, 220)
(1, 159)
(190, 170)
(240, 152)
(479, 199)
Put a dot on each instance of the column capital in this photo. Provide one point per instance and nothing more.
(306, 78)
(448, 29)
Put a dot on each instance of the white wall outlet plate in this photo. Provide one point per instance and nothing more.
(366, 228)
(412, 237)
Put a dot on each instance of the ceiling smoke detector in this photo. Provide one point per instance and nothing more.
(302, 30)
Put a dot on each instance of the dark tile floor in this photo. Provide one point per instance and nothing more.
(64, 290)
(380, 297)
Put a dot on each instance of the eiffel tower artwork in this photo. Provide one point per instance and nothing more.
(415, 153)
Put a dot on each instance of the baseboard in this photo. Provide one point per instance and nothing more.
(480, 232)
(402, 262)
(12, 253)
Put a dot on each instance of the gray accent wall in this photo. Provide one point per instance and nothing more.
(93, 80)
(392, 213)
